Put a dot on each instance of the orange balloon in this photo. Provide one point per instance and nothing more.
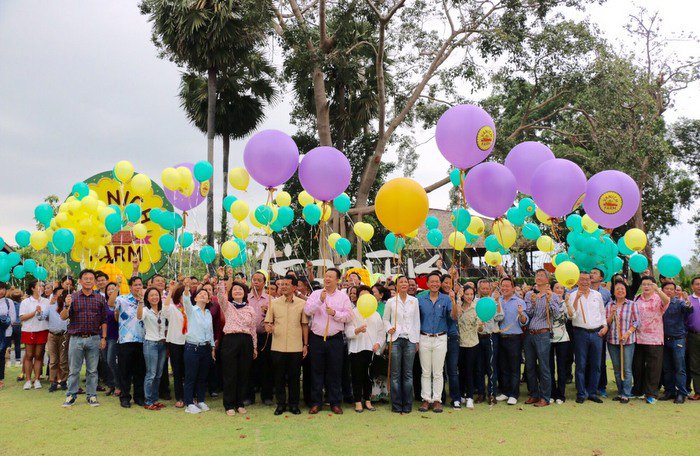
(401, 205)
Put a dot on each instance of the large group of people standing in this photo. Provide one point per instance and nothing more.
(292, 337)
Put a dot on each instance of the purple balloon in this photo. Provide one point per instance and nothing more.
(612, 198)
(324, 172)
(523, 160)
(490, 189)
(182, 202)
(558, 187)
(271, 157)
(465, 135)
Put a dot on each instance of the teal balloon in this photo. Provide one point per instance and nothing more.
(434, 237)
(166, 220)
(285, 216)
(43, 213)
(394, 244)
(342, 246)
(342, 203)
(40, 273)
(5, 277)
(30, 266)
(19, 272)
(132, 212)
(527, 205)
(516, 216)
(177, 221)
(638, 263)
(485, 309)
(456, 177)
(669, 265)
(207, 254)
(167, 243)
(80, 190)
(573, 222)
(312, 214)
(432, 222)
(492, 244)
(571, 238)
(531, 232)
(185, 239)
(22, 238)
(264, 214)
(203, 171)
(117, 210)
(471, 238)
(623, 247)
(155, 214)
(113, 223)
(2, 243)
(228, 201)
(13, 258)
(598, 233)
(277, 226)
(561, 257)
(461, 219)
(618, 264)
(52, 249)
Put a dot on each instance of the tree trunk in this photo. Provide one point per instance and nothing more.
(211, 117)
(323, 122)
(224, 188)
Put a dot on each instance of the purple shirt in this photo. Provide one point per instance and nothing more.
(337, 301)
(112, 325)
(693, 320)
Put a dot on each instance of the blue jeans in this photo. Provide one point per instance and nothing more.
(197, 359)
(403, 352)
(487, 364)
(79, 349)
(587, 348)
(154, 355)
(452, 367)
(674, 367)
(539, 377)
(624, 387)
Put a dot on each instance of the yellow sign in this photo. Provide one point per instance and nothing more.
(610, 202)
(485, 138)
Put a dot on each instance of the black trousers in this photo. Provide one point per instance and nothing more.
(417, 373)
(326, 361)
(560, 351)
(646, 368)
(468, 357)
(287, 370)
(509, 350)
(236, 360)
(262, 374)
(215, 378)
(345, 378)
(197, 359)
(132, 369)
(177, 362)
(307, 380)
(361, 383)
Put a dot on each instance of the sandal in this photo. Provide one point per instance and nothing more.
(230, 412)
(159, 404)
(242, 410)
(179, 404)
(370, 407)
(151, 407)
(117, 392)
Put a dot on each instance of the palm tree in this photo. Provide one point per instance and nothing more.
(243, 91)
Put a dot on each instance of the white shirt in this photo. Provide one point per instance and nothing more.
(405, 315)
(593, 308)
(175, 321)
(154, 331)
(39, 322)
(7, 307)
(374, 334)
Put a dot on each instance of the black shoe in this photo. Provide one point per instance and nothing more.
(294, 410)
(680, 399)
(580, 400)
(100, 388)
(268, 402)
(140, 403)
(64, 386)
(125, 404)
(596, 399)
(666, 397)
(616, 398)
(280, 409)
(53, 387)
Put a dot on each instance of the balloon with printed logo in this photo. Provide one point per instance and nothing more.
(476, 226)
(527, 205)
(493, 258)
(401, 205)
(140, 231)
(588, 225)
(271, 157)
(461, 219)
(524, 159)
(491, 243)
(669, 265)
(80, 190)
(505, 233)
(612, 198)
(465, 135)
(490, 189)
(325, 173)
(558, 187)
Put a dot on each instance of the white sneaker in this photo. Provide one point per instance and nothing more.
(456, 405)
(551, 401)
(203, 407)
(37, 384)
(470, 403)
(192, 409)
(512, 401)
(501, 397)
(28, 385)
(559, 401)
(464, 400)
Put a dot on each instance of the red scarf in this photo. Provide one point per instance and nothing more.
(181, 308)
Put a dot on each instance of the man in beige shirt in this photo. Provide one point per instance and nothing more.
(289, 326)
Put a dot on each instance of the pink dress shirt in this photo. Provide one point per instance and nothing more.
(651, 327)
(338, 301)
(257, 302)
(241, 321)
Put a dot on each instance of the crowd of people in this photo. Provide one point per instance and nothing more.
(286, 338)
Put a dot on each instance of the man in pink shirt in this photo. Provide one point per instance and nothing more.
(262, 377)
(329, 309)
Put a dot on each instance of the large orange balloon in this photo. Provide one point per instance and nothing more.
(401, 205)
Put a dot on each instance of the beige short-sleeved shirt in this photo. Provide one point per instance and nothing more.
(287, 318)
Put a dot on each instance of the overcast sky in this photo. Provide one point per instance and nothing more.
(81, 87)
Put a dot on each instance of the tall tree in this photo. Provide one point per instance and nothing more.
(205, 36)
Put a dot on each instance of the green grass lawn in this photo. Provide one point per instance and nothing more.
(33, 422)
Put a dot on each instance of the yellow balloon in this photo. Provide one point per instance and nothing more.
(283, 199)
(366, 305)
(141, 183)
(253, 220)
(493, 258)
(38, 240)
(333, 238)
(305, 199)
(239, 210)
(89, 203)
(505, 233)
(230, 250)
(275, 211)
(239, 178)
(170, 178)
(545, 244)
(476, 226)
(567, 274)
(401, 205)
(124, 170)
(457, 240)
(412, 234)
(327, 211)
(101, 251)
(140, 231)
(588, 224)
(241, 230)
(542, 217)
(185, 178)
(635, 239)
(364, 231)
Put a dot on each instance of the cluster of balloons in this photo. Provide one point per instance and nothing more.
(183, 178)
(11, 265)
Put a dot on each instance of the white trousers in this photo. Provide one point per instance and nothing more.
(432, 353)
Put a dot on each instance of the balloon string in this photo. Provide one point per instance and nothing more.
(321, 245)
(271, 191)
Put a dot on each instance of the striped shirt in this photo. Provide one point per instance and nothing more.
(87, 313)
(628, 315)
(537, 312)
